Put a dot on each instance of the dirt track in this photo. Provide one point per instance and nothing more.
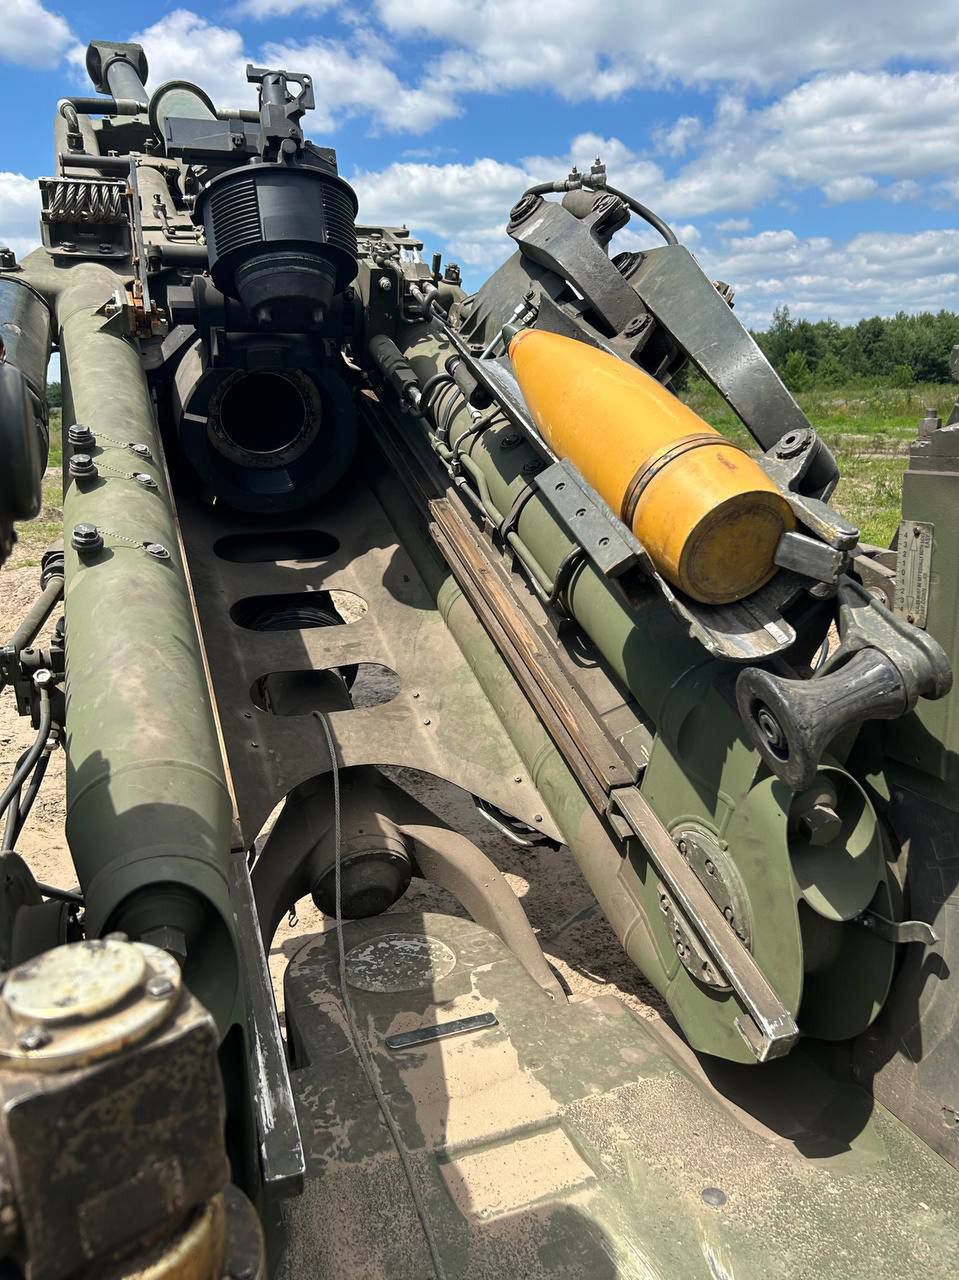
(586, 954)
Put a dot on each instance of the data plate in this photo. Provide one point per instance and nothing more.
(913, 571)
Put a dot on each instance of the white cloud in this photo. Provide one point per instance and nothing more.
(19, 213)
(349, 81)
(873, 273)
(733, 224)
(907, 189)
(262, 9)
(184, 46)
(31, 35)
(676, 138)
(842, 190)
(582, 49)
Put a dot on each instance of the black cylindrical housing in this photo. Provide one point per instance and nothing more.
(124, 82)
(280, 238)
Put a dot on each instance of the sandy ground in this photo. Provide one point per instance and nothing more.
(585, 953)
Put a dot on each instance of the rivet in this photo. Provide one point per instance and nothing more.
(33, 1038)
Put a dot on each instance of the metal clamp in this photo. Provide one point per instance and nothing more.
(606, 540)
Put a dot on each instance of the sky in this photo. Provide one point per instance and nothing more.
(806, 153)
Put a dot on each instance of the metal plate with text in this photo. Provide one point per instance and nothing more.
(914, 570)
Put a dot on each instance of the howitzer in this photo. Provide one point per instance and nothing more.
(295, 455)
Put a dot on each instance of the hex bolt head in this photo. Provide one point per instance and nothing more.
(821, 825)
(34, 1038)
(86, 538)
(385, 283)
(80, 436)
(158, 988)
(43, 678)
(82, 467)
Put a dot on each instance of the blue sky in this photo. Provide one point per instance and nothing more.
(809, 154)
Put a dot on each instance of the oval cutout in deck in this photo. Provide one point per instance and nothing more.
(297, 610)
(263, 546)
(300, 693)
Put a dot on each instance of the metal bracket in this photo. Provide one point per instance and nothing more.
(810, 557)
(282, 1161)
(606, 540)
(898, 930)
(767, 1026)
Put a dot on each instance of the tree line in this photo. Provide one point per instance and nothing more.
(899, 350)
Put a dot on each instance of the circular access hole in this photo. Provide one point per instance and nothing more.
(263, 413)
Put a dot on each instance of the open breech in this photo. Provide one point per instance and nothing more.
(329, 519)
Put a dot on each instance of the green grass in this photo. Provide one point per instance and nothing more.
(868, 429)
(34, 536)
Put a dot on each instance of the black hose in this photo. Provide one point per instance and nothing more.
(654, 220)
(60, 895)
(30, 756)
(19, 811)
(641, 210)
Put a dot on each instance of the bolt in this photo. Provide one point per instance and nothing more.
(79, 435)
(427, 721)
(33, 1038)
(684, 848)
(68, 246)
(530, 468)
(821, 825)
(86, 538)
(385, 283)
(105, 247)
(664, 904)
(43, 678)
(537, 817)
(416, 695)
(680, 950)
(511, 440)
(82, 467)
(518, 777)
(728, 915)
(636, 325)
(710, 867)
(159, 988)
(237, 139)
